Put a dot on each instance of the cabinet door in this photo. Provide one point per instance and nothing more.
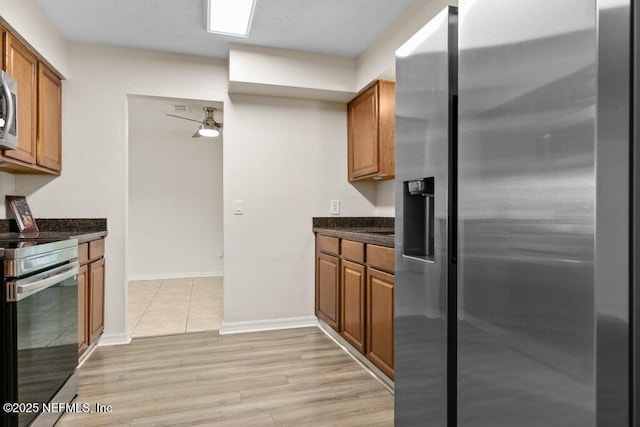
(22, 65)
(83, 308)
(49, 146)
(380, 320)
(3, 44)
(352, 320)
(362, 116)
(96, 299)
(327, 289)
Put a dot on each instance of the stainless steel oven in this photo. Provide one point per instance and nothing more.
(8, 112)
(40, 329)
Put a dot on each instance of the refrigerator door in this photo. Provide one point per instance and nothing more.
(541, 297)
(423, 87)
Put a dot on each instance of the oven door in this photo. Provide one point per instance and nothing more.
(8, 112)
(46, 335)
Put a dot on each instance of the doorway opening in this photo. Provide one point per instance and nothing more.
(175, 234)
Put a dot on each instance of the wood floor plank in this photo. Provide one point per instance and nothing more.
(277, 378)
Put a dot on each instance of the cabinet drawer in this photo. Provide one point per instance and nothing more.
(380, 257)
(83, 253)
(96, 249)
(329, 245)
(353, 251)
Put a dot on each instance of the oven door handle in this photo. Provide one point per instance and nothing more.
(24, 287)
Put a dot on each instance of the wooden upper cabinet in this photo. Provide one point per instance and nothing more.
(22, 65)
(363, 134)
(371, 133)
(49, 146)
(39, 110)
(3, 43)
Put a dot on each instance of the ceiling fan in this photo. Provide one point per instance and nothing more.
(208, 127)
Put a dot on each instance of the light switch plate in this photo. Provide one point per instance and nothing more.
(237, 207)
(335, 207)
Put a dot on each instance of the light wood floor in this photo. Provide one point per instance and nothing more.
(291, 377)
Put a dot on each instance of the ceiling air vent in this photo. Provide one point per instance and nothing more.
(180, 108)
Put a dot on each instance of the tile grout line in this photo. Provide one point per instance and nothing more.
(186, 325)
(129, 309)
(133, 331)
(154, 299)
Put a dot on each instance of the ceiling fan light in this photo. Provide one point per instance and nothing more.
(209, 132)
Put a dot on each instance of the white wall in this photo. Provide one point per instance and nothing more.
(25, 17)
(95, 152)
(175, 204)
(385, 198)
(286, 159)
(285, 73)
(379, 58)
(8, 187)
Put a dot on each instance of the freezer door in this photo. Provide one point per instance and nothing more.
(542, 197)
(423, 88)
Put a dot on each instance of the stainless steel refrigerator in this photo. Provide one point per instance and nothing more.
(515, 223)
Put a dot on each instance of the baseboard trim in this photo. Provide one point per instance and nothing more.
(357, 356)
(87, 354)
(229, 328)
(133, 277)
(120, 338)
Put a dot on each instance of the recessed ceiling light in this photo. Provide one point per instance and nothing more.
(230, 17)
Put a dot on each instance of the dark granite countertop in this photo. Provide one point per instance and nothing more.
(373, 230)
(82, 229)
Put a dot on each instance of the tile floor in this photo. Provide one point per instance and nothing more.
(174, 306)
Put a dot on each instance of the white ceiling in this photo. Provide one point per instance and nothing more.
(337, 27)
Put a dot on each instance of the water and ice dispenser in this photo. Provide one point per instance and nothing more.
(418, 225)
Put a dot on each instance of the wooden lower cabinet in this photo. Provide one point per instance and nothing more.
(352, 283)
(91, 280)
(327, 289)
(83, 292)
(354, 296)
(96, 296)
(380, 320)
